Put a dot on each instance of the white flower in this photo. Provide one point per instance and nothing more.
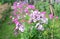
(18, 4)
(44, 20)
(12, 18)
(35, 12)
(34, 20)
(21, 28)
(24, 15)
(32, 11)
(38, 12)
(39, 26)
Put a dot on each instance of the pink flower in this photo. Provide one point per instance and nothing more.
(26, 10)
(10, 16)
(21, 28)
(20, 6)
(31, 6)
(15, 20)
(14, 7)
(51, 16)
(56, 17)
(15, 3)
(43, 13)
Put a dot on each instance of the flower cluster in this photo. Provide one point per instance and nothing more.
(19, 26)
(19, 13)
(51, 16)
(40, 18)
(20, 10)
(22, 7)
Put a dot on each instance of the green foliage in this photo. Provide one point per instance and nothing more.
(5, 14)
(27, 17)
(43, 6)
(57, 9)
(6, 1)
(53, 25)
